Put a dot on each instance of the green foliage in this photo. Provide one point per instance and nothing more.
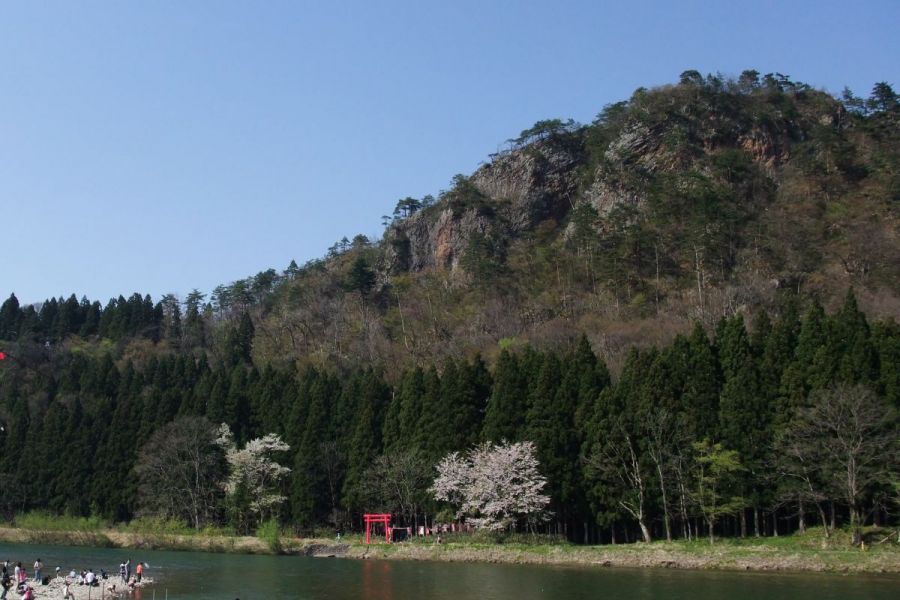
(464, 195)
(504, 417)
(543, 129)
(361, 278)
(270, 533)
(714, 469)
(41, 520)
(483, 259)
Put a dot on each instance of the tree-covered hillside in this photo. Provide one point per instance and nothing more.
(687, 306)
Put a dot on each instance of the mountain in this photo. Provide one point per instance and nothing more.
(688, 202)
(693, 201)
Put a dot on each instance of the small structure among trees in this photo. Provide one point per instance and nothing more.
(373, 519)
(493, 486)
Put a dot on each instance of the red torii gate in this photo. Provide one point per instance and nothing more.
(372, 519)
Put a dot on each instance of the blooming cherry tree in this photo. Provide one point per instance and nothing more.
(254, 469)
(493, 486)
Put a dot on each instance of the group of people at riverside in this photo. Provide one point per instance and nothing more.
(17, 575)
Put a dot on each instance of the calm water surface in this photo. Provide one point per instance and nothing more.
(202, 576)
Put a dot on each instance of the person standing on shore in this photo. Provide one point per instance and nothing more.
(5, 583)
(67, 590)
(139, 571)
(127, 569)
(38, 565)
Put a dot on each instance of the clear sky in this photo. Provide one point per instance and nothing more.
(159, 146)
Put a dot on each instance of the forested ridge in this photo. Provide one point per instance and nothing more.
(687, 306)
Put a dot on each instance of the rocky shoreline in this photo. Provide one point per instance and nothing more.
(110, 588)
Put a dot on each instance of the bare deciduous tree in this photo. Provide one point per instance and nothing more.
(333, 467)
(178, 472)
(399, 483)
(798, 468)
(848, 435)
(617, 461)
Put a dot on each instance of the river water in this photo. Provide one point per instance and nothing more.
(202, 576)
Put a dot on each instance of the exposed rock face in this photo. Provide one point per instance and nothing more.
(521, 189)
(434, 239)
(636, 149)
(604, 196)
(532, 184)
(518, 190)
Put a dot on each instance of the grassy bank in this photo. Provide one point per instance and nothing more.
(807, 552)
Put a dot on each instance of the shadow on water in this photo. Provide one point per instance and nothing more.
(202, 576)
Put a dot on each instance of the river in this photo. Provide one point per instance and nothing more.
(203, 576)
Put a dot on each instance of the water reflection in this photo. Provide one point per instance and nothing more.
(377, 580)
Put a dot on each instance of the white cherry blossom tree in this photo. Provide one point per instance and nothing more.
(253, 470)
(493, 486)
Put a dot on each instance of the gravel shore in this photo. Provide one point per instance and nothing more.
(83, 592)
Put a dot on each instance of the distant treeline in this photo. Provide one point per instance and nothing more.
(639, 456)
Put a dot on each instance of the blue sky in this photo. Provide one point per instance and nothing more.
(160, 146)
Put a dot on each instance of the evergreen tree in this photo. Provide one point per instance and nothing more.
(700, 396)
(311, 497)
(886, 338)
(549, 424)
(411, 396)
(800, 377)
(429, 434)
(504, 417)
(239, 342)
(858, 362)
(745, 414)
(10, 317)
(365, 442)
(361, 278)
(194, 327)
(215, 405)
(237, 404)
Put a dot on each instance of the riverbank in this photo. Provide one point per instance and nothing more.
(114, 538)
(771, 554)
(810, 552)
